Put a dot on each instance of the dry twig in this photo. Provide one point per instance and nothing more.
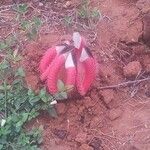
(124, 84)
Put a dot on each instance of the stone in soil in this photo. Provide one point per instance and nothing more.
(146, 31)
(139, 49)
(96, 143)
(60, 108)
(61, 134)
(81, 137)
(146, 63)
(108, 95)
(132, 69)
(115, 113)
(147, 92)
(67, 4)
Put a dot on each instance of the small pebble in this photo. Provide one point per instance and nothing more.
(96, 143)
(67, 4)
(40, 4)
(132, 69)
(61, 134)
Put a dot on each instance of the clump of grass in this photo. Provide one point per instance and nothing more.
(85, 12)
(21, 8)
(68, 21)
(29, 26)
(84, 16)
(7, 49)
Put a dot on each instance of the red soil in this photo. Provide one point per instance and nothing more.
(108, 119)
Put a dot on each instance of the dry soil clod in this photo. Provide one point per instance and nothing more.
(108, 95)
(85, 147)
(88, 102)
(132, 69)
(81, 137)
(31, 81)
(115, 113)
(61, 108)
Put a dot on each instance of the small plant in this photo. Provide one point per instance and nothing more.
(29, 26)
(21, 8)
(6, 49)
(15, 111)
(18, 105)
(95, 14)
(62, 94)
(68, 20)
(83, 17)
(84, 12)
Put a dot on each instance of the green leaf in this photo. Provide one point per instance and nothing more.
(23, 139)
(22, 8)
(17, 104)
(11, 40)
(85, 2)
(32, 34)
(37, 22)
(68, 20)
(1, 146)
(17, 111)
(64, 95)
(69, 88)
(4, 64)
(25, 25)
(83, 12)
(31, 93)
(43, 95)
(52, 112)
(95, 13)
(16, 81)
(3, 45)
(61, 96)
(33, 114)
(60, 85)
(5, 87)
(1, 95)
(24, 117)
(33, 100)
(18, 126)
(20, 72)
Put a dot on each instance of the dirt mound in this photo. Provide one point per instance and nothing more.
(112, 116)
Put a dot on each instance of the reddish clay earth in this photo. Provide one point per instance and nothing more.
(105, 119)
